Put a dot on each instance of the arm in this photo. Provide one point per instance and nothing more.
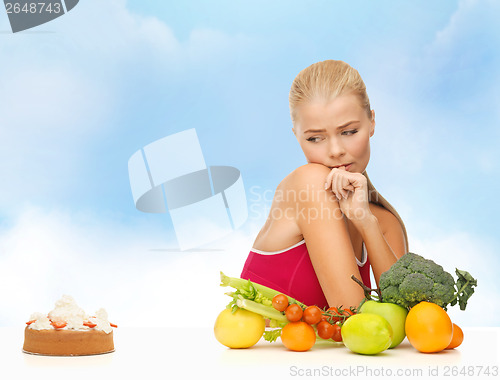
(322, 225)
(384, 241)
(381, 233)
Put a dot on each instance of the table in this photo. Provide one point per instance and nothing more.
(187, 353)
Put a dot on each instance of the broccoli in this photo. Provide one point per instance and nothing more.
(413, 279)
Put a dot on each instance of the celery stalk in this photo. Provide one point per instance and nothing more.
(266, 311)
(243, 286)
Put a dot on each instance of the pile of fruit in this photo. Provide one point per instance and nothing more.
(419, 292)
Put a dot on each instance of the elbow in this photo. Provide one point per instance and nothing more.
(346, 300)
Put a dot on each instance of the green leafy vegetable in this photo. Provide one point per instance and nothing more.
(465, 284)
(413, 279)
(253, 291)
(272, 335)
(256, 298)
(266, 311)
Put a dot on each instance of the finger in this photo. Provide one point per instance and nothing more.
(330, 183)
(328, 180)
(342, 183)
(345, 183)
(358, 180)
(335, 189)
(337, 185)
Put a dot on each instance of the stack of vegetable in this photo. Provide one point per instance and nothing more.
(411, 301)
(296, 323)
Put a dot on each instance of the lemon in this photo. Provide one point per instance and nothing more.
(241, 329)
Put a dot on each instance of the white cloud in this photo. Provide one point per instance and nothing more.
(463, 60)
(140, 279)
(62, 91)
(462, 65)
(59, 91)
(47, 115)
(471, 29)
(143, 281)
(429, 98)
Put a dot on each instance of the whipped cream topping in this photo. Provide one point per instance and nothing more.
(67, 311)
(41, 322)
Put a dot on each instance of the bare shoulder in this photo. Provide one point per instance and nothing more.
(294, 193)
(311, 176)
(309, 171)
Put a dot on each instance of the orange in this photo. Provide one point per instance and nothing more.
(458, 337)
(298, 336)
(428, 327)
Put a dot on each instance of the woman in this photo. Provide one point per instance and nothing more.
(327, 221)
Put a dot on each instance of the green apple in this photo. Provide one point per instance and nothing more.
(366, 333)
(394, 314)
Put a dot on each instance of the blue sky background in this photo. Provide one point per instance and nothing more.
(79, 95)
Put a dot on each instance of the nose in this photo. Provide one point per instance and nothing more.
(336, 148)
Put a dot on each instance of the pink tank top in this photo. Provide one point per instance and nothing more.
(290, 271)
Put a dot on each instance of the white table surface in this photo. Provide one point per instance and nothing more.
(188, 353)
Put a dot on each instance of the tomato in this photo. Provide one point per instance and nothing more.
(312, 315)
(337, 335)
(367, 333)
(428, 327)
(325, 329)
(333, 314)
(337, 314)
(241, 329)
(298, 336)
(347, 312)
(280, 302)
(458, 337)
(293, 312)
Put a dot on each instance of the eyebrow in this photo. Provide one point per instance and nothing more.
(340, 127)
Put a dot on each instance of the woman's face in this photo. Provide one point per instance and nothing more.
(335, 133)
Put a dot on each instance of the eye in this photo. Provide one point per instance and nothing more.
(313, 139)
(350, 132)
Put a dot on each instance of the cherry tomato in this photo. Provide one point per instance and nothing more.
(280, 302)
(337, 335)
(325, 329)
(333, 315)
(293, 312)
(347, 312)
(312, 315)
(337, 314)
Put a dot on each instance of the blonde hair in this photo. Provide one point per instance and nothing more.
(327, 80)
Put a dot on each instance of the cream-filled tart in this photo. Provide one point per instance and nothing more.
(68, 331)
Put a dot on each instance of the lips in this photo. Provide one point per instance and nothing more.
(347, 166)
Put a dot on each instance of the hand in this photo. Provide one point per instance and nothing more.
(351, 189)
